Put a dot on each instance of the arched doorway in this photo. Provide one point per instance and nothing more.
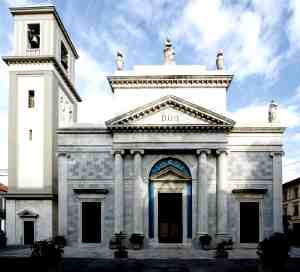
(170, 201)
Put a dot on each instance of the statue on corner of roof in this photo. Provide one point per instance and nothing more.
(120, 61)
(273, 112)
(169, 52)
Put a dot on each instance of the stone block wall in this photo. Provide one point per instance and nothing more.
(43, 227)
(250, 170)
(90, 170)
(91, 166)
(250, 166)
(95, 170)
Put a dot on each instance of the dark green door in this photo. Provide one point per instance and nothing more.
(91, 222)
(249, 224)
(170, 217)
(28, 232)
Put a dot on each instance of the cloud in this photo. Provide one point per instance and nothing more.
(294, 25)
(247, 31)
(95, 108)
(289, 115)
(291, 168)
(89, 73)
(93, 85)
(13, 3)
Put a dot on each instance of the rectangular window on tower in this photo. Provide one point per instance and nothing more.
(64, 56)
(31, 99)
(33, 36)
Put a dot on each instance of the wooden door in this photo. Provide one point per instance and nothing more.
(170, 217)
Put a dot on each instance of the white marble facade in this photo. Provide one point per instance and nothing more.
(229, 164)
(170, 136)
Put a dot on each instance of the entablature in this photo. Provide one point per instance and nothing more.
(169, 81)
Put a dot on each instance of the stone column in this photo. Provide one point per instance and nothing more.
(222, 231)
(202, 194)
(277, 191)
(138, 192)
(119, 191)
(62, 162)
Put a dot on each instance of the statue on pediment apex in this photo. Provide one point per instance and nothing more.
(120, 60)
(273, 112)
(169, 52)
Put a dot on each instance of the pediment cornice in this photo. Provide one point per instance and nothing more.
(170, 81)
(170, 173)
(213, 121)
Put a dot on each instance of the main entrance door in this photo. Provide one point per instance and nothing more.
(249, 224)
(170, 217)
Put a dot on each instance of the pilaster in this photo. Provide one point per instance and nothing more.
(277, 191)
(139, 192)
(119, 191)
(62, 163)
(202, 200)
(222, 220)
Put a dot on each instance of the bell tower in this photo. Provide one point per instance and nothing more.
(42, 98)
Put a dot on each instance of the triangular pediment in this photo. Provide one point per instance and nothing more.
(27, 213)
(170, 112)
(169, 173)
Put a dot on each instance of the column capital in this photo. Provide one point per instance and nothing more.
(203, 150)
(222, 150)
(118, 151)
(134, 151)
(276, 153)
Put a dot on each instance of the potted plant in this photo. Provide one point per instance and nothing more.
(47, 255)
(137, 240)
(60, 241)
(221, 251)
(273, 253)
(205, 241)
(228, 245)
(120, 240)
(3, 239)
(113, 243)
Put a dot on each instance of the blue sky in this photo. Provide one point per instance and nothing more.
(260, 40)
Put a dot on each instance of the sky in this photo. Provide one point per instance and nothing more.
(260, 41)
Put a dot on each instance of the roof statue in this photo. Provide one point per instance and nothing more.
(220, 61)
(120, 60)
(273, 112)
(169, 53)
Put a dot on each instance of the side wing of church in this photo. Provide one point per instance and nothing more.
(171, 165)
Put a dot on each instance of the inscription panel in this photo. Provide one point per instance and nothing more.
(170, 116)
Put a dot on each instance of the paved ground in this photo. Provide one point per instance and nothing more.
(148, 265)
(149, 260)
(152, 253)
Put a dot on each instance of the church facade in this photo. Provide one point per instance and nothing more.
(170, 165)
